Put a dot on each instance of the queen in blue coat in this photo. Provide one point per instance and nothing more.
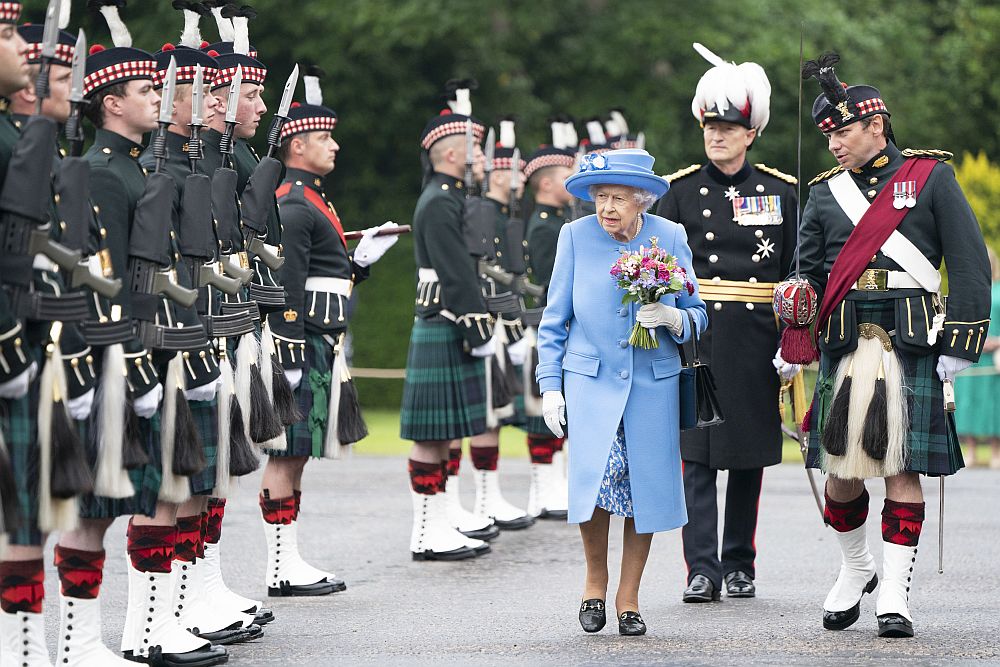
(621, 401)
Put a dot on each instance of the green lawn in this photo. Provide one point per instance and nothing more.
(384, 439)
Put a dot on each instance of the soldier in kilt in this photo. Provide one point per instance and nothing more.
(888, 348)
(444, 395)
(319, 276)
(504, 404)
(123, 105)
(740, 220)
(546, 171)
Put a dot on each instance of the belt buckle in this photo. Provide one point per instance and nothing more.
(874, 280)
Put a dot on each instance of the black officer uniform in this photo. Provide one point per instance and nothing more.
(741, 229)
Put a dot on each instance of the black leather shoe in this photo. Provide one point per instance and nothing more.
(338, 584)
(203, 657)
(841, 620)
(592, 615)
(740, 585)
(455, 554)
(487, 534)
(895, 626)
(553, 514)
(261, 616)
(286, 589)
(234, 634)
(519, 523)
(482, 549)
(701, 589)
(630, 624)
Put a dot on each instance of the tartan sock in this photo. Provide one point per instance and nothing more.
(202, 532)
(541, 448)
(297, 494)
(454, 461)
(22, 585)
(443, 486)
(425, 478)
(277, 510)
(557, 444)
(901, 522)
(844, 517)
(213, 521)
(151, 548)
(80, 572)
(188, 536)
(485, 458)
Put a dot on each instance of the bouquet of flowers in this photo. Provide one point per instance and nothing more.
(646, 276)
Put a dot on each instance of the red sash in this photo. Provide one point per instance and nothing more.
(321, 204)
(876, 225)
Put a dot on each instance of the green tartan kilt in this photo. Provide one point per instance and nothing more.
(206, 420)
(19, 421)
(145, 479)
(319, 357)
(933, 441)
(444, 395)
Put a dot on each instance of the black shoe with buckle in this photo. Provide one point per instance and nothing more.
(740, 585)
(894, 626)
(701, 589)
(630, 624)
(592, 615)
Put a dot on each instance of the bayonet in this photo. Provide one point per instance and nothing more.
(195, 152)
(166, 114)
(74, 128)
(232, 102)
(490, 152)
(50, 40)
(470, 157)
(515, 181)
(274, 133)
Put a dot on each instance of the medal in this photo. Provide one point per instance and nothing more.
(898, 196)
(911, 194)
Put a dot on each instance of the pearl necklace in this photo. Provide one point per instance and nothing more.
(638, 229)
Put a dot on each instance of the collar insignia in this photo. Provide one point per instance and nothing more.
(880, 161)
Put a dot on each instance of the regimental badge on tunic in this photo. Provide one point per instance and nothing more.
(904, 193)
(757, 211)
(291, 315)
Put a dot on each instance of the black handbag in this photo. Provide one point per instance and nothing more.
(699, 404)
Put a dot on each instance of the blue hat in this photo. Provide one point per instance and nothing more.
(632, 167)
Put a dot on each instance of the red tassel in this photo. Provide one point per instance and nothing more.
(797, 346)
(807, 420)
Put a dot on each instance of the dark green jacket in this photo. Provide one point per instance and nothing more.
(941, 225)
(543, 234)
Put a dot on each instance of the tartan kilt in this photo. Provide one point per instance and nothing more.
(319, 357)
(206, 420)
(145, 479)
(444, 394)
(932, 444)
(19, 421)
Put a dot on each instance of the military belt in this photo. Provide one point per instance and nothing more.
(103, 334)
(72, 307)
(736, 290)
(229, 307)
(268, 295)
(883, 280)
(330, 285)
(229, 325)
(172, 339)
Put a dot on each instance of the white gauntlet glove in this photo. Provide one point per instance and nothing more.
(654, 315)
(145, 406)
(79, 407)
(18, 387)
(205, 392)
(487, 349)
(519, 352)
(785, 370)
(294, 377)
(554, 411)
(371, 248)
(949, 367)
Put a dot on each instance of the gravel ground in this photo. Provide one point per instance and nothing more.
(518, 605)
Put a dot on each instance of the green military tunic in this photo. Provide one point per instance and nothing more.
(444, 395)
(543, 235)
(943, 227)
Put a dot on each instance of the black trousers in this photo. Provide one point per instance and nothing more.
(701, 534)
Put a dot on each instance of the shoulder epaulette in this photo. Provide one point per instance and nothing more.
(943, 156)
(681, 173)
(826, 174)
(787, 178)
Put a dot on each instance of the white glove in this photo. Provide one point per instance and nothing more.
(145, 406)
(371, 248)
(79, 407)
(786, 370)
(18, 387)
(294, 377)
(949, 367)
(653, 315)
(519, 352)
(205, 392)
(487, 349)
(554, 411)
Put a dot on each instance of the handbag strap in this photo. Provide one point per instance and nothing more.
(694, 338)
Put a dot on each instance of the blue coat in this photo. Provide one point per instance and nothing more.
(583, 351)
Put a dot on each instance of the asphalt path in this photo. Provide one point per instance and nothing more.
(518, 605)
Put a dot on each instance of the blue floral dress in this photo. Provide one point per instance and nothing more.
(615, 494)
